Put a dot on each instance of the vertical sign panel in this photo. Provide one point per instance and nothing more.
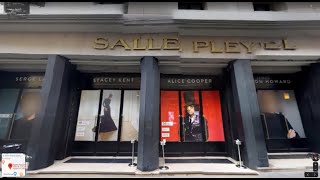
(87, 117)
(130, 115)
(212, 115)
(109, 119)
(169, 106)
(190, 104)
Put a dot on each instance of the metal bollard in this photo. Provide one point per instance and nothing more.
(164, 167)
(240, 165)
(132, 164)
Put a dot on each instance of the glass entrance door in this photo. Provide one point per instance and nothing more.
(107, 121)
(18, 110)
(88, 115)
(191, 121)
(281, 121)
(8, 100)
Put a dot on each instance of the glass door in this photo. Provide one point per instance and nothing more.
(281, 121)
(191, 118)
(108, 129)
(130, 115)
(170, 116)
(107, 121)
(191, 121)
(109, 115)
(88, 115)
(8, 101)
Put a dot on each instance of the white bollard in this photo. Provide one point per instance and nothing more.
(132, 164)
(164, 167)
(240, 165)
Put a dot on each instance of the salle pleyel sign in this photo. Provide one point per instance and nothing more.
(198, 46)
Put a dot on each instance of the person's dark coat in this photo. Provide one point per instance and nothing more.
(276, 126)
(192, 132)
(21, 129)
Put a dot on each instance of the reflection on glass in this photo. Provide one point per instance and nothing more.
(87, 116)
(109, 119)
(8, 100)
(130, 118)
(191, 116)
(29, 106)
(280, 115)
(170, 123)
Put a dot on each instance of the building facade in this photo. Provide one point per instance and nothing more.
(87, 78)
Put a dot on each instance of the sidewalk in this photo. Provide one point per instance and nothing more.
(60, 167)
(278, 168)
(285, 174)
(289, 164)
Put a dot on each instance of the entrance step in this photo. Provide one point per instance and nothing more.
(119, 165)
(295, 155)
(288, 161)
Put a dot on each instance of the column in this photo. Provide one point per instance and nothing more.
(309, 104)
(148, 146)
(246, 115)
(48, 124)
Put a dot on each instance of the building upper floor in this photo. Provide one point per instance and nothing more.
(132, 17)
(169, 8)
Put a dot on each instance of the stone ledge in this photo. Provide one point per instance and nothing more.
(138, 172)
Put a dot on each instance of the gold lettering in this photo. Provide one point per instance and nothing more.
(248, 46)
(174, 42)
(121, 43)
(213, 48)
(271, 46)
(101, 42)
(150, 45)
(199, 44)
(136, 45)
(230, 45)
(286, 46)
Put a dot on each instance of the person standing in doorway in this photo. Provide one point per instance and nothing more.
(29, 107)
(274, 122)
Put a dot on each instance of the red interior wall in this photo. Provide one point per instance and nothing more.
(212, 111)
(170, 103)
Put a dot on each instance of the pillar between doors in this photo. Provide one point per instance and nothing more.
(48, 124)
(148, 146)
(309, 103)
(246, 115)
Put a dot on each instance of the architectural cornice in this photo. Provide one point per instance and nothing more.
(133, 23)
